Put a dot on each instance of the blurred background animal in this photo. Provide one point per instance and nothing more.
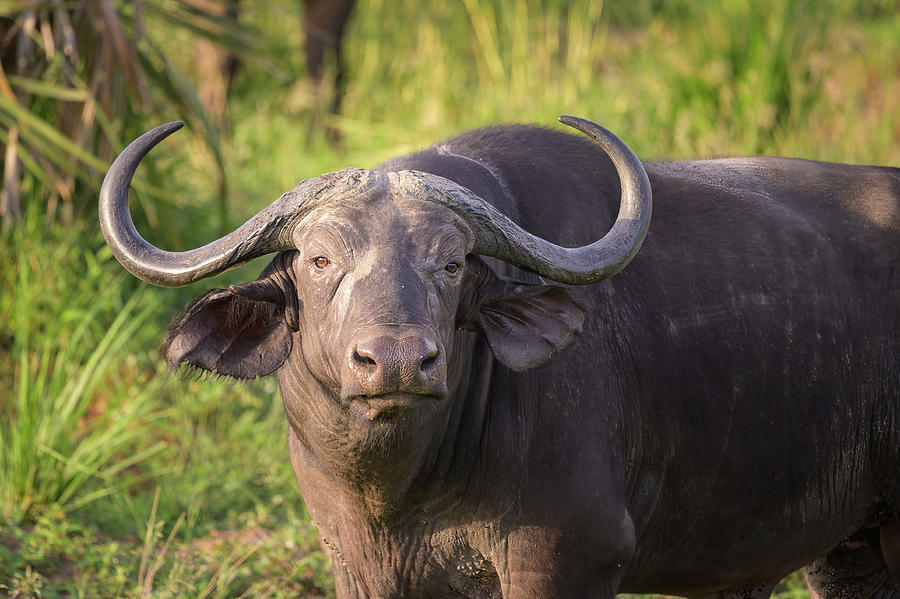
(323, 21)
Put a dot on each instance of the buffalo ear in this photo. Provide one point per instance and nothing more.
(524, 323)
(242, 332)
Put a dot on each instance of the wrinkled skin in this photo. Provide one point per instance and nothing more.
(719, 414)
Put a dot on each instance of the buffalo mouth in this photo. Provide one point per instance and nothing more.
(390, 406)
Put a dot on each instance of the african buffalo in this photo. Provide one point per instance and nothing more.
(722, 412)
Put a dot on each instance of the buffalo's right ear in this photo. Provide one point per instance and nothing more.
(242, 332)
(524, 323)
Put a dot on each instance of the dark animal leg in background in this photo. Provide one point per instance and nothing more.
(324, 24)
(855, 569)
(215, 66)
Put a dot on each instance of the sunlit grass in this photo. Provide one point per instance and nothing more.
(74, 421)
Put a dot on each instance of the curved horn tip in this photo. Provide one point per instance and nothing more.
(155, 135)
(589, 128)
(168, 129)
(571, 121)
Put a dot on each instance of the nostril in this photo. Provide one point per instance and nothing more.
(363, 360)
(429, 360)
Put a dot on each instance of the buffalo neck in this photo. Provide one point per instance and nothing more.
(409, 470)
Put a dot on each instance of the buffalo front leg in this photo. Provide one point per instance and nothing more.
(551, 564)
(855, 569)
(526, 583)
(890, 548)
(346, 586)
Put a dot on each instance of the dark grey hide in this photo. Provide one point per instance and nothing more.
(722, 412)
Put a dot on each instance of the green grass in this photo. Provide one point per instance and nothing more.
(119, 480)
(76, 401)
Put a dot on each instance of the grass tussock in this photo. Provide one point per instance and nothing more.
(76, 402)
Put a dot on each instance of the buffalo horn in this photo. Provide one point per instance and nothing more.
(267, 232)
(271, 229)
(499, 237)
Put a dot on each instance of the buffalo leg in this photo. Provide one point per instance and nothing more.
(530, 584)
(542, 563)
(346, 586)
(890, 548)
(215, 66)
(855, 569)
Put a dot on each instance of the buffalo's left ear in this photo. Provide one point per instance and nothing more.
(524, 323)
(242, 332)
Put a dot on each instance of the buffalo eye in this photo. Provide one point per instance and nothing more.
(321, 262)
(452, 268)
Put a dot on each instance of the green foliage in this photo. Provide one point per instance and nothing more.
(73, 412)
(249, 562)
(91, 426)
(57, 557)
(60, 557)
(78, 79)
(789, 78)
(792, 587)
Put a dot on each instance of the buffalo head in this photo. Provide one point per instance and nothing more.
(376, 274)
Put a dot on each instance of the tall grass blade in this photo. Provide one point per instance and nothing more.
(72, 434)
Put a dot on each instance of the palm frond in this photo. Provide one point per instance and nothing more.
(75, 83)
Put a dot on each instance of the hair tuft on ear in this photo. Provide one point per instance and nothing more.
(524, 323)
(225, 334)
(525, 329)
